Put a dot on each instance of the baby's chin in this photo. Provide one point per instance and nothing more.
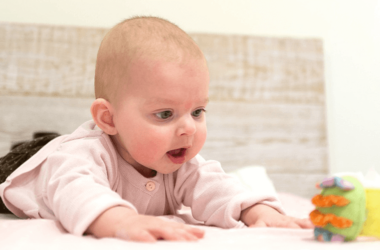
(169, 167)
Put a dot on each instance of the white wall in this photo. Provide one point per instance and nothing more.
(350, 30)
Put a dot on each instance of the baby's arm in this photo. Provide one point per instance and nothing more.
(78, 179)
(261, 215)
(125, 223)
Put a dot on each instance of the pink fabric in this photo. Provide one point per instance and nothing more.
(78, 176)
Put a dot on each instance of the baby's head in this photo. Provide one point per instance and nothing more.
(151, 85)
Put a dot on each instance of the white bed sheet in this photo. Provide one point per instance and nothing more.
(44, 234)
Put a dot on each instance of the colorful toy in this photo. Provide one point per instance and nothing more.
(345, 210)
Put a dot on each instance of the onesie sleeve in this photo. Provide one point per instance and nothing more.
(79, 191)
(215, 197)
(72, 185)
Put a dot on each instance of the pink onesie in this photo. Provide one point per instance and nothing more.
(76, 177)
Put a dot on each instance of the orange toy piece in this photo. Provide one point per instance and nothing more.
(329, 200)
(322, 220)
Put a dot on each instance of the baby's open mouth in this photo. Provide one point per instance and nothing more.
(177, 156)
(177, 152)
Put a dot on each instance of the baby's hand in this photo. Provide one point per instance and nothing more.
(124, 223)
(261, 215)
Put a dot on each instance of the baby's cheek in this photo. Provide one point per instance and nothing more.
(150, 146)
(203, 132)
(200, 138)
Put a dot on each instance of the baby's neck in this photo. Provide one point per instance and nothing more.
(147, 173)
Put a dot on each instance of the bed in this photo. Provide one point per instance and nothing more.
(266, 123)
(47, 234)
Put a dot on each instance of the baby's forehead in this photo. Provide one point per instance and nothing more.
(155, 80)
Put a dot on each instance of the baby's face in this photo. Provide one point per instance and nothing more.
(160, 115)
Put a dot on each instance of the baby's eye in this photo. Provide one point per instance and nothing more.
(197, 112)
(164, 114)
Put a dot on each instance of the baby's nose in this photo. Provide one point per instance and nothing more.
(187, 127)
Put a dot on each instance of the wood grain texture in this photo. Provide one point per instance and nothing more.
(48, 60)
(267, 100)
(264, 70)
(274, 136)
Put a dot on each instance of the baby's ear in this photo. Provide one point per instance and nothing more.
(102, 113)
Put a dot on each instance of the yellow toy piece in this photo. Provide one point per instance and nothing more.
(371, 226)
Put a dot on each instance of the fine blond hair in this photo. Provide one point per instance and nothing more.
(138, 37)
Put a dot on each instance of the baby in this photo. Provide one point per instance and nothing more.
(137, 161)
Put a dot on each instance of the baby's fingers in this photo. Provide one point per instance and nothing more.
(295, 223)
(197, 232)
(178, 233)
(291, 224)
(153, 235)
(304, 223)
(288, 222)
(137, 235)
(185, 235)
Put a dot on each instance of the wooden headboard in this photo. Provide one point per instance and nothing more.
(267, 100)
